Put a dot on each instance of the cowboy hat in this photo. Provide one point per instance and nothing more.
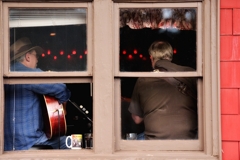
(22, 46)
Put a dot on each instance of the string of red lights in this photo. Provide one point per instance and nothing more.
(61, 53)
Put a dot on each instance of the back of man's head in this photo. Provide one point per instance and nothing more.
(160, 50)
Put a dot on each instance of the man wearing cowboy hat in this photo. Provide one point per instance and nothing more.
(23, 111)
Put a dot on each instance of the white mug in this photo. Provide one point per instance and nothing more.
(76, 141)
(131, 136)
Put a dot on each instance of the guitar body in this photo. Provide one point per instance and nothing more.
(54, 117)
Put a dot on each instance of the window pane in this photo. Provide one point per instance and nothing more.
(32, 120)
(61, 33)
(139, 28)
(166, 111)
(127, 123)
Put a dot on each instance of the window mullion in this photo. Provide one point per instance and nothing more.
(103, 77)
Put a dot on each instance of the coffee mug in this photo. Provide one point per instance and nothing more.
(76, 141)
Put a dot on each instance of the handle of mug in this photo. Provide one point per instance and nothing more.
(69, 146)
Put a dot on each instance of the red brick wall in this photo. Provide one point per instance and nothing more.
(230, 78)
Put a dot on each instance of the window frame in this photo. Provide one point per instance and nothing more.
(197, 73)
(104, 131)
(36, 77)
(206, 133)
(6, 57)
(159, 145)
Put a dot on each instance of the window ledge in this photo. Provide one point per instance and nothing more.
(89, 154)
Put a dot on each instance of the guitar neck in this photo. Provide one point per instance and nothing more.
(81, 110)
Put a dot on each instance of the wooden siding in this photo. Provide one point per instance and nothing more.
(230, 78)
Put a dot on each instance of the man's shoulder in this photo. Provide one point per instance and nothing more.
(149, 79)
(172, 67)
(21, 68)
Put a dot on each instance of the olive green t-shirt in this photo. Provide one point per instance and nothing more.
(167, 113)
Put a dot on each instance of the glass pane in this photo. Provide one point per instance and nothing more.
(33, 116)
(127, 123)
(60, 35)
(160, 109)
(139, 28)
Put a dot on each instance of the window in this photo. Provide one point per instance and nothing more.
(139, 28)
(57, 31)
(103, 70)
(61, 33)
(128, 66)
(62, 39)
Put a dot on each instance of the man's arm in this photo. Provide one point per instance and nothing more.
(137, 119)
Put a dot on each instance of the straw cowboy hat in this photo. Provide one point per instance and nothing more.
(22, 46)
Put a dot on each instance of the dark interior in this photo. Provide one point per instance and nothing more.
(132, 42)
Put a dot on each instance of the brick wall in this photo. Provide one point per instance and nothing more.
(230, 78)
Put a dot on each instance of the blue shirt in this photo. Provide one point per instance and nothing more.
(23, 125)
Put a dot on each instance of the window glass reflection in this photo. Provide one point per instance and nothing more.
(61, 33)
(139, 28)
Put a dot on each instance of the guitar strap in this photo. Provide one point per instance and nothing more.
(182, 87)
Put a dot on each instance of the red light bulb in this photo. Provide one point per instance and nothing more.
(174, 51)
(135, 51)
(130, 56)
(61, 52)
(74, 52)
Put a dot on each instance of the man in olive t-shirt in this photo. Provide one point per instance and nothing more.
(166, 112)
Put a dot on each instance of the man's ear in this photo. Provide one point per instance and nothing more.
(152, 61)
(27, 56)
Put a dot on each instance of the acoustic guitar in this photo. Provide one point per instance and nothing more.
(54, 117)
